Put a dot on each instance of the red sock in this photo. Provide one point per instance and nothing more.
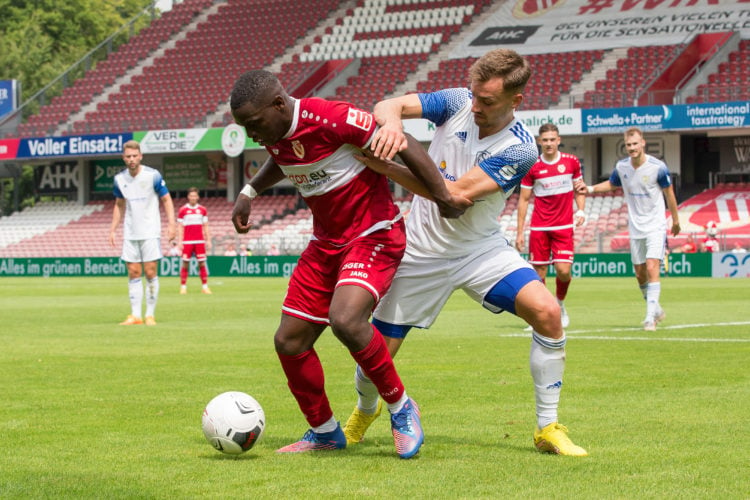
(203, 272)
(376, 362)
(183, 275)
(561, 288)
(305, 378)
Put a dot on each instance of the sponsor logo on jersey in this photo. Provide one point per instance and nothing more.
(307, 179)
(442, 168)
(299, 149)
(358, 118)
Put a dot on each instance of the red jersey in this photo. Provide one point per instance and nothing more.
(192, 218)
(553, 192)
(711, 244)
(346, 198)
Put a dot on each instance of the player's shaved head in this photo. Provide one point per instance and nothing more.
(256, 87)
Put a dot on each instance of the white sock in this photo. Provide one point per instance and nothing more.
(396, 407)
(135, 292)
(653, 292)
(547, 362)
(152, 295)
(643, 288)
(328, 426)
(368, 393)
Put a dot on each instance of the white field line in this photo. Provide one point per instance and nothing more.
(582, 334)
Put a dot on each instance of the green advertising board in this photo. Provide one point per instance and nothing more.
(182, 172)
(619, 265)
(586, 265)
(103, 174)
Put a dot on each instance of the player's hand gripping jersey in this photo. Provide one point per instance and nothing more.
(346, 198)
(456, 148)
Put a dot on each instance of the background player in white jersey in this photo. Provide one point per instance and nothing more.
(551, 227)
(194, 239)
(645, 182)
(483, 152)
(358, 241)
(137, 191)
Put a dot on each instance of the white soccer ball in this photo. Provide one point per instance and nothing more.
(233, 422)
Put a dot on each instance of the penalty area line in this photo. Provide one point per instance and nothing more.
(583, 334)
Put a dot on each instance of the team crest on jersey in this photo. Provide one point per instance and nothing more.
(481, 156)
(358, 118)
(561, 168)
(299, 149)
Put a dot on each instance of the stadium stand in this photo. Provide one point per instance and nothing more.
(57, 229)
(173, 74)
(53, 117)
(36, 221)
(729, 82)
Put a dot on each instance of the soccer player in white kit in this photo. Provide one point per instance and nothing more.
(483, 152)
(138, 190)
(645, 181)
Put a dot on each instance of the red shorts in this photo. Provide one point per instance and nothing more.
(197, 249)
(557, 244)
(369, 262)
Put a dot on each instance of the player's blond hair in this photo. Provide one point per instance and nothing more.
(633, 131)
(503, 63)
(131, 144)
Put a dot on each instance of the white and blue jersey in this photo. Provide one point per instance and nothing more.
(643, 187)
(469, 253)
(456, 148)
(142, 195)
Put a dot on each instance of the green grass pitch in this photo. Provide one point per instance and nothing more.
(90, 409)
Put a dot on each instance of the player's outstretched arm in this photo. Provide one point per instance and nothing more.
(602, 187)
(421, 165)
(268, 175)
(390, 138)
(397, 172)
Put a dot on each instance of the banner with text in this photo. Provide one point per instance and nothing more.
(586, 265)
(543, 26)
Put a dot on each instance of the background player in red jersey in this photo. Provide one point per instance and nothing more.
(551, 228)
(358, 241)
(194, 239)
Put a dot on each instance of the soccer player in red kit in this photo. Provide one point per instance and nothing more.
(358, 241)
(551, 229)
(194, 239)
